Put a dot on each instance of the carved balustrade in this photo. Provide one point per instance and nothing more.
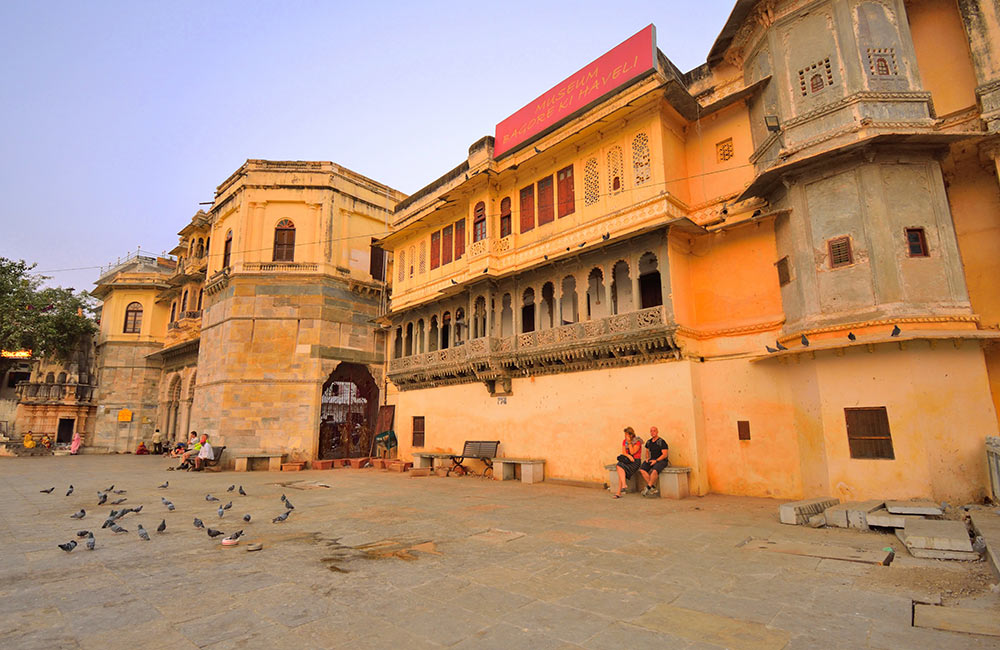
(45, 393)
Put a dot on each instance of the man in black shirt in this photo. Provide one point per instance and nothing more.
(656, 462)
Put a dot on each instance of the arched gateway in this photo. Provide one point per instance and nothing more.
(348, 409)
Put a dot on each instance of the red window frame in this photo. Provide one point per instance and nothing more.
(527, 208)
(916, 243)
(479, 222)
(505, 225)
(546, 201)
(435, 249)
(446, 245)
(564, 187)
(459, 239)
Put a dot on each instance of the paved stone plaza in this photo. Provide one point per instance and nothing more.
(379, 559)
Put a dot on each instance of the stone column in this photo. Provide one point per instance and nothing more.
(663, 265)
(608, 280)
(186, 417)
(633, 263)
(557, 297)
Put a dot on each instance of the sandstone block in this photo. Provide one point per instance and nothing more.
(913, 508)
(798, 512)
(857, 513)
(929, 534)
(837, 515)
(886, 519)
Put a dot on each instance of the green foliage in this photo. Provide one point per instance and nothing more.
(48, 321)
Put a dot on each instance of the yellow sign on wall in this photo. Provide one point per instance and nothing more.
(124, 415)
(15, 354)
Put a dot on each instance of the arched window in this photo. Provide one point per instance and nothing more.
(881, 66)
(191, 247)
(528, 311)
(597, 306)
(621, 288)
(173, 311)
(408, 341)
(50, 378)
(479, 222)
(445, 330)
(568, 305)
(398, 346)
(227, 249)
(62, 378)
(284, 241)
(413, 257)
(208, 245)
(133, 318)
(505, 217)
(184, 303)
(816, 83)
(547, 307)
(201, 294)
(201, 247)
(615, 169)
(650, 292)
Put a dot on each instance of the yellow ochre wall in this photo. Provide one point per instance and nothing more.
(942, 48)
(154, 316)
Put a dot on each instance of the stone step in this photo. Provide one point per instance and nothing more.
(929, 534)
(798, 513)
(913, 508)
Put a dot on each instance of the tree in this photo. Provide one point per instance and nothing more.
(51, 322)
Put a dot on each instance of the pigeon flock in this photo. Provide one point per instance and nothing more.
(804, 340)
(115, 518)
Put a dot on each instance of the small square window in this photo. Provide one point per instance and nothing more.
(840, 252)
(743, 429)
(784, 272)
(724, 150)
(916, 243)
(868, 433)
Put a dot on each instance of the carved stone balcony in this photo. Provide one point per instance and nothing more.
(45, 393)
(284, 267)
(623, 339)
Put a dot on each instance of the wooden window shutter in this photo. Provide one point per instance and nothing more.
(564, 186)
(868, 433)
(435, 249)
(377, 265)
(840, 252)
(546, 208)
(505, 225)
(418, 431)
(459, 239)
(527, 208)
(446, 245)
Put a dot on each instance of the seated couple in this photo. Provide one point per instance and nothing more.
(629, 462)
(198, 451)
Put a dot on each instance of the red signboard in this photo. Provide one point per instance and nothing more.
(625, 63)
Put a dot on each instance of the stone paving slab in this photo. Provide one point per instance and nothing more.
(378, 560)
(936, 535)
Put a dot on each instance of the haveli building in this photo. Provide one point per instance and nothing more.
(627, 250)
(631, 245)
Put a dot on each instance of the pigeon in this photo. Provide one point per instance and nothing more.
(209, 497)
(164, 501)
(139, 509)
(246, 518)
(115, 528)
(779, 346)
(162, 527)
(606, 236)
(143, 535)
(69, 491)
(281, 517)
(242, 493)
(214, 533)
(83, 533)
(770, 349)
(49, 491)
(895, 330)
(79, 515)
(107, 522)
(804, 340)
(170, 506)
(230, 488)
(228, 506)
(283, 498)
(288, 505)
(235, 536)
(119, 491)
(90, 542)
(851, 337)
(68, 546)
(222, 511)
(198, 523)
(120, 501)
(165, 485)
(110, 488)
(103, 499)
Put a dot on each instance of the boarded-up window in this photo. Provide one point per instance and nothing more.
(527, 208)
(546, 207)
(435, 249)
(916, 242)
(418, 431)
(743, 429)
(284, 241)
(840, 252)
(564, 186)
(479, 222)
(868, 433)
(459, 239)
(784, 272)
(377, 265)
(505, 226)
(446, 244)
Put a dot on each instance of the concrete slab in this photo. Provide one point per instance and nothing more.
(930, 534)
(932, 554)
(913, 508)
(857, 514)
(836, 516)
(885, 519)
(956, 619)
(987, 524)
(798, 512)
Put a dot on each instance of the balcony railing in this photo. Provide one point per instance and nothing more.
(270, 267)
(622, 339)
(44, 393)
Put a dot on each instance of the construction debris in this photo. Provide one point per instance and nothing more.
(913, 508)
(883, 557)
(798, 513)
(956, 619)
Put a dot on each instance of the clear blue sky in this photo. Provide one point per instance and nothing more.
(118, 118)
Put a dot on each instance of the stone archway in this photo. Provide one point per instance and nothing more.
(348, 408)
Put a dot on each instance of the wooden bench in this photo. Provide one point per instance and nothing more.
(532, 469)
(672, 482)
(484, 450)
(243, 460)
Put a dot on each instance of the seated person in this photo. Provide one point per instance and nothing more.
(193, 447)
(205, 452)
(628, 460)
(141, 450)
(29, 441)
(657, 462)
(46, 441)
(178, 450)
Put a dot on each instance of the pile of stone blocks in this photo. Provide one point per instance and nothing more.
(797, 513)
